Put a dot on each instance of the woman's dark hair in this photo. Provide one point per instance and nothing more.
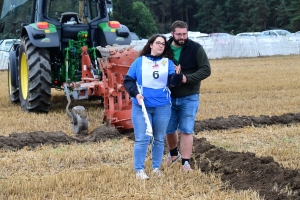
(167, 53)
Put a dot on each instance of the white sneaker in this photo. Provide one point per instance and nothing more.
(157, 172)
(172, 159)
(141, 175)
(186, 167)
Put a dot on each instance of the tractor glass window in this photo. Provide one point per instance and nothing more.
(94, 12)
(87, 10)
(14, 10)
(12, 14)
(97, 9)
(56, 8)
(102, 9)
(36, 11)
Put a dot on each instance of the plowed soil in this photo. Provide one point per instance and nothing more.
(241, 171)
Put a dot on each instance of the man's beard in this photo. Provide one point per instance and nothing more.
(180, 44)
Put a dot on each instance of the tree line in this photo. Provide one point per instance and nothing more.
(146, 17)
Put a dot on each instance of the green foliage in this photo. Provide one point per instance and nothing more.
(245, 15)
(294, 13)
(209, 15)
(273, 6)
(283, 18)
(204, 16)
(122, 10)
(232, 16)
(144, 23)
(163, 10)
(259, 13)
(218, 19)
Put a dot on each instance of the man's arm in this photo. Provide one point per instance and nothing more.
(204, 69)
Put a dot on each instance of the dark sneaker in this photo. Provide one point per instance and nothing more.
(172, 159)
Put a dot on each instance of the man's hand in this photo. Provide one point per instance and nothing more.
(178, 69)
(138, 98)
(184, 79)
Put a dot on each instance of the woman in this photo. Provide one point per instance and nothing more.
(152, 72)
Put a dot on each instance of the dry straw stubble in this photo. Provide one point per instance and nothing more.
(103, 170)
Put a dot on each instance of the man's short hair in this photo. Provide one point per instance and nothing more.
(178, 24)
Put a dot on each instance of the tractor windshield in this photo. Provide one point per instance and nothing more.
(87, 10)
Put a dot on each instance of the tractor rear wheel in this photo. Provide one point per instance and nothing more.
(34, 77)
(13, 92)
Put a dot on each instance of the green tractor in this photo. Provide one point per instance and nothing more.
(59, 47)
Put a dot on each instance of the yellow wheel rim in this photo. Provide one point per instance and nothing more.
(24, 76)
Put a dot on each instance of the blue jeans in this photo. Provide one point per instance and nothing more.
(184, 110)
(159, 118)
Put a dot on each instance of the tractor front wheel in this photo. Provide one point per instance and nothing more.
(13, 92)
(34, 77)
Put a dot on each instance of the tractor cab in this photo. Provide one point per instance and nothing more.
(92, 16)
(69, 17)
(84, 11)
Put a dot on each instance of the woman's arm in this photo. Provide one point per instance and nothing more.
(130, 86)
(175, 75)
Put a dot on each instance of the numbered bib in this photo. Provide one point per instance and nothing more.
(155, 73)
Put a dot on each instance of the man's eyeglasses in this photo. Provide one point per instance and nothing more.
(180, 34)
(159, 43)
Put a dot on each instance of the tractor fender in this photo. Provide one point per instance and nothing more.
(13, 60)
(42, 38)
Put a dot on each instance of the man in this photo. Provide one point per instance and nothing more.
(195, 67)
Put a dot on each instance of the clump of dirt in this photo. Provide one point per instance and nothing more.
(244, 171)
(34, 139)
(103, 133)
(240, 171)
(234, 122)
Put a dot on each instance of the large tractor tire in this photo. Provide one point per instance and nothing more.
(34, 77)
(13, 92)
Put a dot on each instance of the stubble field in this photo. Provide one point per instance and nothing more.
(246, 143)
